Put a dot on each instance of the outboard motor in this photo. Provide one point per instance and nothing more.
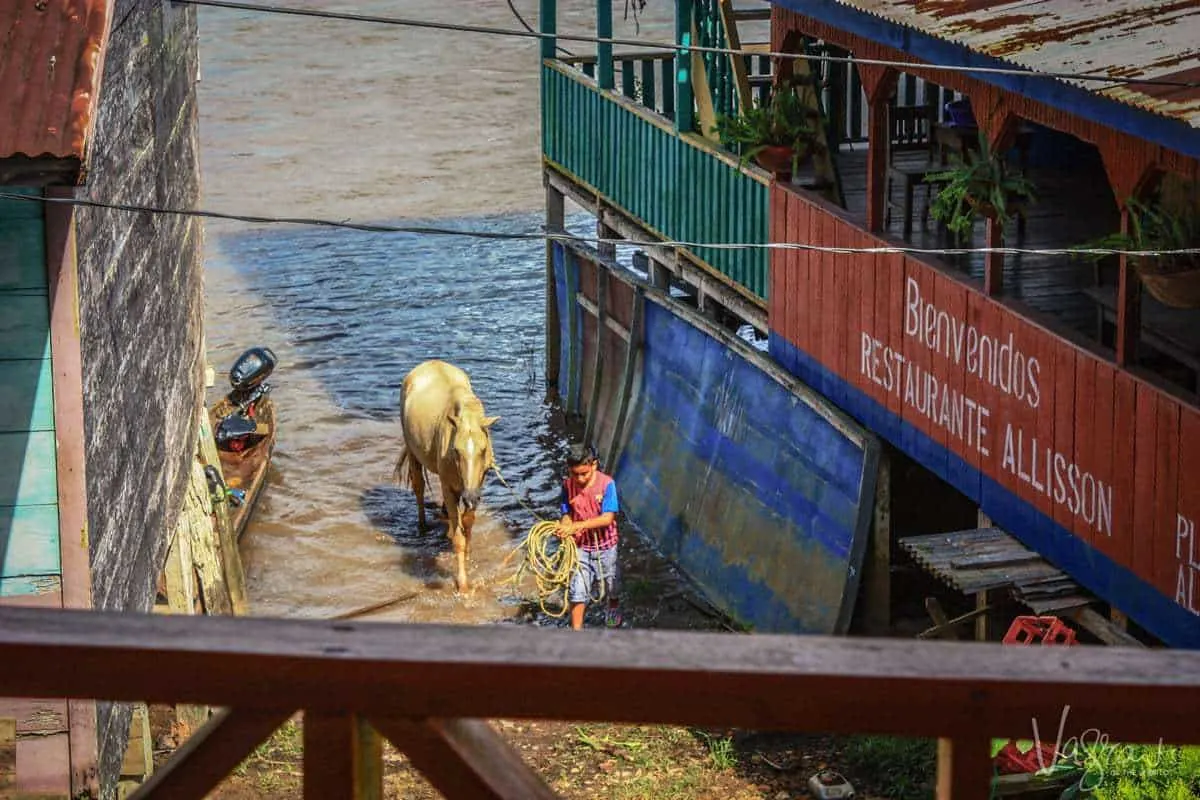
(248, 375)
(239, 430)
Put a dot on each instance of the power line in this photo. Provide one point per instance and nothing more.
(433, 230)
(531, 34)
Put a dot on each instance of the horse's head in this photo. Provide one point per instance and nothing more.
(471, 446)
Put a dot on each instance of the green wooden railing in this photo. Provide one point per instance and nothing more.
(681, 187)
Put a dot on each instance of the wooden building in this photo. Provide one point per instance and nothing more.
(101, 341)
(1057, 394)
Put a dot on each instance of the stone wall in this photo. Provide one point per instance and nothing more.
(141, 314)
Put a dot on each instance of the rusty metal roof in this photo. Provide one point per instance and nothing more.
(1157, 39)
(50, 59)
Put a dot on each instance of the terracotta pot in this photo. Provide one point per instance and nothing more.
(776, 158)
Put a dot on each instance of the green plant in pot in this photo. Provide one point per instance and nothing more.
(780, 134)
(1172, 279)
(979, 185)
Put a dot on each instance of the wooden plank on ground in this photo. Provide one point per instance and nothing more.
(209, 754)
(466, 758)
(1104, 630)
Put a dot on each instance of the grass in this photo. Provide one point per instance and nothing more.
(899, 768)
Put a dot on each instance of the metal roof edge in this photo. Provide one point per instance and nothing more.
(85, 154)
(1170, 133)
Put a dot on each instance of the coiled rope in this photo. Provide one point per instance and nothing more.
(549, 558)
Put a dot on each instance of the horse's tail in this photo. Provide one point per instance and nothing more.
(405, 466)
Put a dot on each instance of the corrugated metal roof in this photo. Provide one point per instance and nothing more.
(50, 57)
(1157, 39)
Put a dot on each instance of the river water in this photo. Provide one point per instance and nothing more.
(351, 121)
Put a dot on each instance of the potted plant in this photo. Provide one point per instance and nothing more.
(979, 185)
(1172, 279)
(780, 134)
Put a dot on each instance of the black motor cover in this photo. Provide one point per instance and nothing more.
(234, 427)
(252, 368)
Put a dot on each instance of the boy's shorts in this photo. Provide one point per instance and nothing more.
(593, 565)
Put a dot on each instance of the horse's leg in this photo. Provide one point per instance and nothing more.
(457, 540)
(418, 484)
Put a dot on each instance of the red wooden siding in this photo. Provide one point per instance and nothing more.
(1110, 458)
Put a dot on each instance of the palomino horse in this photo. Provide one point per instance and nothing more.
(446, 433)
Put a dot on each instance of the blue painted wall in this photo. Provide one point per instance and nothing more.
(29, 543)
(751, 490)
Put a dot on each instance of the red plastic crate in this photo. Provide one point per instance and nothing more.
(1039, 630)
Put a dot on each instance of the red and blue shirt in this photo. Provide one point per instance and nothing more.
(599, 497)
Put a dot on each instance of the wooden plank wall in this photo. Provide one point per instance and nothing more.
(1111, 458)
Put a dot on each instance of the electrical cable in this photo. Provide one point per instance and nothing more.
(433, 230)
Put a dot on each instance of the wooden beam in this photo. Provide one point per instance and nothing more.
(1129, 304)
(877, 580)
(555, 223)
(878, 142)
(945, 625)
(342, 758)
(964, 768)
(1104, 630)
(993, 270)
(942, 624)
(63, 276)
(609, 322)
(8, 756)
(633, 346)
(593, 409)
(465, 758)
(734, 42)
(768, 682)
(210, 754)
(702, 93)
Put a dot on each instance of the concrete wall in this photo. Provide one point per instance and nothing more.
(755, 486)
(141, 314)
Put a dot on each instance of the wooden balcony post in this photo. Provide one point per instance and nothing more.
(548, 23)
(685, 111)
(993, 272)
(343, 758)
(555, 223)
(877, 163)
(879, 83)
(604, 54)
(1129, 304)
(964, 769)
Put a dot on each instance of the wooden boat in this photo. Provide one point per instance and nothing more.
(244, 423)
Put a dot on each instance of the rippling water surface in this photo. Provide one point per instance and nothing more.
(303, 117)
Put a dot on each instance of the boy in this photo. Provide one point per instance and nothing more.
(589, 514)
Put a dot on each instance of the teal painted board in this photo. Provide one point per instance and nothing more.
(22, 244)
(30, 584)
(24, 325)
(26, 396)
(29, 542)
(28, 474)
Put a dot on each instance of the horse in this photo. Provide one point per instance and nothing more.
(445, 433)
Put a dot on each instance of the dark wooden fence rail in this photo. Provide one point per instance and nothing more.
(428, 689)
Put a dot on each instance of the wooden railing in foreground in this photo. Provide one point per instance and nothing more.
(427, 689)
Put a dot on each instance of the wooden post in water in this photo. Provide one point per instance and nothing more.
(555, 223)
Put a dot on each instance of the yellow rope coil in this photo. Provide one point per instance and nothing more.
(551, 560)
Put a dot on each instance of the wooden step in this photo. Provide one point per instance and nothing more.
(752, 14)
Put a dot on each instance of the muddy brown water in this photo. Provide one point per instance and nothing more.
(340, 120)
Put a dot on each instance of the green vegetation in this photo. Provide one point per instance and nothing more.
(898, 768)
(781, 121)
(982, 184)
